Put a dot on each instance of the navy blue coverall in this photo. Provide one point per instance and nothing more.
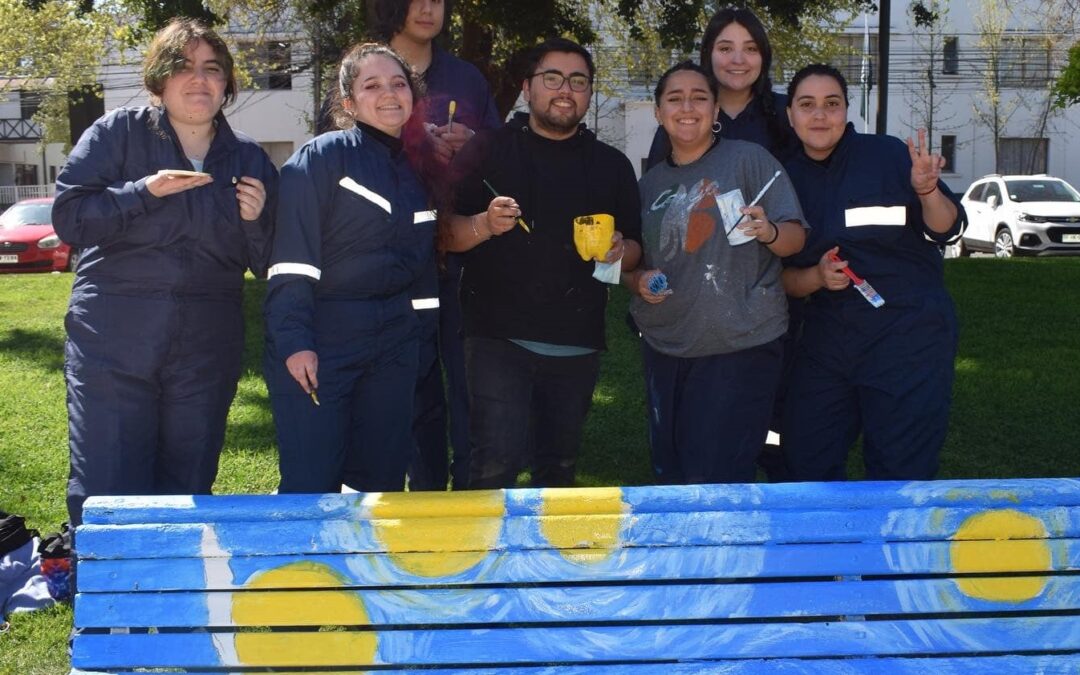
(886, 372)
(155, 325)
(441, 345)
(354, 237)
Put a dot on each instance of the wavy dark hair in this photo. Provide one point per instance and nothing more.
(389, 17)
(714, 86)
(823, 69)
(349, 69)
(165, 56)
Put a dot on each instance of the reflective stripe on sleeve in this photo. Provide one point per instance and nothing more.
(875, 215)
(373, 197)
(425, 303)
(423, 217)
(295, 268)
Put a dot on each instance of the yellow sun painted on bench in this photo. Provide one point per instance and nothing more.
(438, 534)
(979, 546)
(591, 518)
(297, 608)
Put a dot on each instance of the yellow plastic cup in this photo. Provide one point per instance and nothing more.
(592, 235)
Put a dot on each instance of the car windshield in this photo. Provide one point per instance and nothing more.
(1041, 191)
(26, 214)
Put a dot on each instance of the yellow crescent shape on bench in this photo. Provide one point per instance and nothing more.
(438, 534)
(300, 608)
(978, 547)
(580, 522)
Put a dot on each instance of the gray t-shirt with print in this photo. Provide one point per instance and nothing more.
(725, 297)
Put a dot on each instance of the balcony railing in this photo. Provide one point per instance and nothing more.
(19, 130)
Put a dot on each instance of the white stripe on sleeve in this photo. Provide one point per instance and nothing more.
(295, 268)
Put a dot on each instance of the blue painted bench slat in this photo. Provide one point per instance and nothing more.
(995, 665)
(944, 577)
(640, 564)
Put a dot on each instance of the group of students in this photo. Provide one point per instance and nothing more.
(422, 237)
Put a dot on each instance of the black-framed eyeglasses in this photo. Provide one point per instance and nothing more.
(553, 80)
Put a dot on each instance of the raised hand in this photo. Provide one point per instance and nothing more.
(925, 166)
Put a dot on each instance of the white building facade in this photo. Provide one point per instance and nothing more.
(939, 78)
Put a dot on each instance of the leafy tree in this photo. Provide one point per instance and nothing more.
(49, 49)
(1067, 86)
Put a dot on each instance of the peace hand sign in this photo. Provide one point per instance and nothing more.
(925, 167)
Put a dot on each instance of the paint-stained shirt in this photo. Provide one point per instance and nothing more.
(725, 297)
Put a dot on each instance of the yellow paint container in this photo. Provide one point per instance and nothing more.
(592, 235)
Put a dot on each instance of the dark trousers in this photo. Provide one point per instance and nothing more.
(149, 385)
(436, 407)
(361, 434)
(521, 404)
(894, 387)
(709, 415)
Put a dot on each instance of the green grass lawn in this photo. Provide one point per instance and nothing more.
(1015, 413)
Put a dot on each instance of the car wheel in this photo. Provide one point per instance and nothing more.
(73, 259)
(1003, 244)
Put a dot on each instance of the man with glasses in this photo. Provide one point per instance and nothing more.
(533, 310)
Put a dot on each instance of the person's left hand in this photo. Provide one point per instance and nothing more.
(251, 194)
(455, 137)
(615, 253)
(925, 166)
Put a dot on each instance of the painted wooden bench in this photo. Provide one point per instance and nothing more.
(940, 577)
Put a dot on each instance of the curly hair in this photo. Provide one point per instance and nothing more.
(349, 70)
(165, 56)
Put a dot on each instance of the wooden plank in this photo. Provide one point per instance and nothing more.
(573, 604)
(579, 645)
(1068, 664)
(673, 563)
(562, 532)
(645, 499)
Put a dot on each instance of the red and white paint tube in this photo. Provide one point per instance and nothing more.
(861, 285)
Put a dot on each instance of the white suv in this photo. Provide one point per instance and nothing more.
(1021, 215)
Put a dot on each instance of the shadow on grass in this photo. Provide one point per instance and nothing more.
(43, 348)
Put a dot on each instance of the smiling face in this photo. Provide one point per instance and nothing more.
(736, 58)
(194, 94)
(424, 21)
(686, 110)
(818, 113)
(557, 113)
(380, 95)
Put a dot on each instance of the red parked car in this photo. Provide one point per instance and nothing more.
(28, 242)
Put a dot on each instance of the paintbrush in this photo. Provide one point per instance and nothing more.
(453, 109)
(757, 199)
(496, 193)
(861, 285)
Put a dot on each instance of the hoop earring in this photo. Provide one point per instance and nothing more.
(716, 127)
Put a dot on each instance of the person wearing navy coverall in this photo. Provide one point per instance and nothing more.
(411, 27)
(155, 325)
(354, 235)
(886, 372)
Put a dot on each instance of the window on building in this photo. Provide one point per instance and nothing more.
(26, 174)
(948, 153)
(52, 173)
(271, 65)
(950, 59)
(854, 61)
(1024, 62)
(29, 102)
(1022, 155)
